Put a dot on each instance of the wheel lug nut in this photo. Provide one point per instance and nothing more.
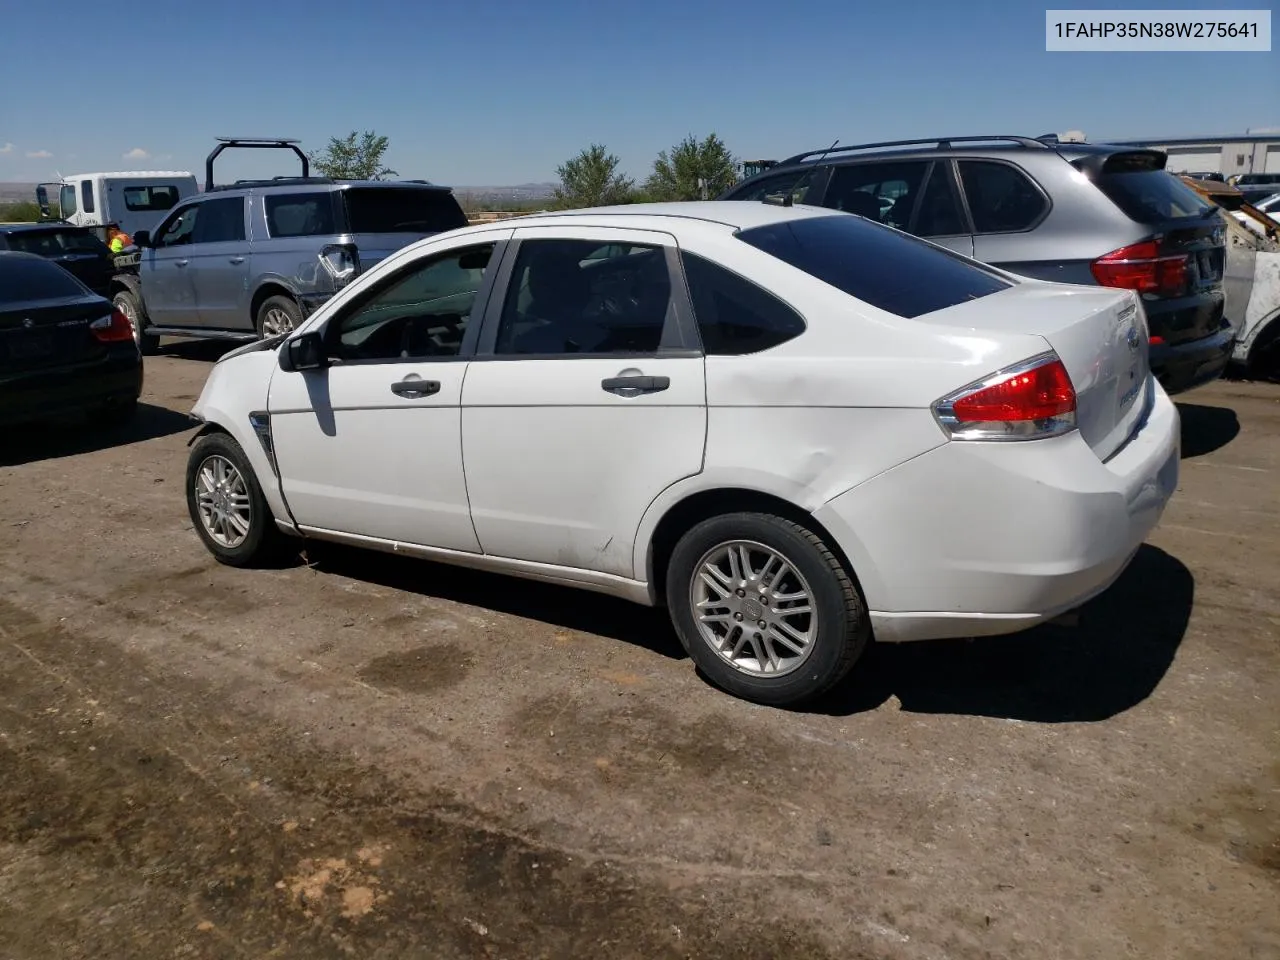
(742, 593)
(737, 616)
(763, 623)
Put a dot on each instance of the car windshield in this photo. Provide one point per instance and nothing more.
(401, 210)
(23, 280)
(1152, 196)
(54, 243)
(880, 266)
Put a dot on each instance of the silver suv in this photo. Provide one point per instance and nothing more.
(253, 258)
(1070, 212)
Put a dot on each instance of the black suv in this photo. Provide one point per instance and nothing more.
(1067, 212)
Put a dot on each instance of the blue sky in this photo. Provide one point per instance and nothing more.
(502, 92)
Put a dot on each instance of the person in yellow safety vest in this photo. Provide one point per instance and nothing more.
(118, 240)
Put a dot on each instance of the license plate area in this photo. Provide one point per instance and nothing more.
(31, 346)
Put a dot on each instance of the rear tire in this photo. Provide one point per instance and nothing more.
(781, 623)
(278, 315)
(226, 505)
(130, 305)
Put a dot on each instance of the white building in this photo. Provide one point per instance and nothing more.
(1255, 151)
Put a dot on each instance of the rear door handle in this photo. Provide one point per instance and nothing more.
(237, 259)
(634, 386)
(415, 388)
(181, 263)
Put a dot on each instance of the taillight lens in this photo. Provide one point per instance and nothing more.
(113, 329)
(1141, 267)
(341, 262)
(1030, 401)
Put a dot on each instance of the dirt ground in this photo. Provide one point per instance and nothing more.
(369, 756)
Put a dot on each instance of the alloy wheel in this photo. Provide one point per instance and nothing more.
(754, 608)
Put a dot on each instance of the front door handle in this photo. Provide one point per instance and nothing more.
(415, 388)
(634, 386)
(237, 260)
(181, 263)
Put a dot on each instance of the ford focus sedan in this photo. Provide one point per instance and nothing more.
(796, 430)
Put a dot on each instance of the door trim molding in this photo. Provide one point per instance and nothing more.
(622, 587)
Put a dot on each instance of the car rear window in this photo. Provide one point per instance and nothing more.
(54, 243)
(889, 270)
(23, 280)
(300, 214)
(1152, 196)
(402, 210)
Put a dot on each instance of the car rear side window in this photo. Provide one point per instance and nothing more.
(894, 272)
(54, 243)
(1152, 196)
(23, 280)
(401, 210)
(300, 214)
(885, 191)
(735, 316)
(1001, 198)
(580, 296)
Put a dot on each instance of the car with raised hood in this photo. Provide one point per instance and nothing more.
(64, 350)
(1072, 212)
(795, 429)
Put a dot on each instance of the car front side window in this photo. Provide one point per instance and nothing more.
(421, 314)
(180, 228)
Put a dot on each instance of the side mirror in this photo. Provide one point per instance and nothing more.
(42, 199)
(304, 353)
(142, 238)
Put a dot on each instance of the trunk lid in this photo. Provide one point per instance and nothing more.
(1099, 334)
(49, 333)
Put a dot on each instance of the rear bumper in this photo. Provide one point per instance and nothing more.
(977, 539)
(1183, 366)
(27, 397)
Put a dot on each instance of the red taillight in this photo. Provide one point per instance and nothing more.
(1157, 341)
(1033, 400)
(113, 329)
(1141, 267)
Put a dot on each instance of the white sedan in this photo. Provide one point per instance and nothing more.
(795, 429)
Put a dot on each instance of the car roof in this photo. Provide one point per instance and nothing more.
(973, 146)
(319, 185)
(739, 215)
(41, 225)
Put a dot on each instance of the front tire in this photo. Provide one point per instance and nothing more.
(130, 305)
(764, 608)
(278, 315)
(226, 505)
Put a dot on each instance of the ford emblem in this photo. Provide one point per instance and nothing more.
(1131, 336)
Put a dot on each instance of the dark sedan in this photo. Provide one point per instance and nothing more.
(63, 349)
(78, 250)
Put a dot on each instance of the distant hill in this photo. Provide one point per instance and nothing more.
(17, 192)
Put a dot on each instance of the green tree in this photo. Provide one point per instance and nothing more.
(693, 170)
(23, 211)
(591, 179)
(354, 157)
